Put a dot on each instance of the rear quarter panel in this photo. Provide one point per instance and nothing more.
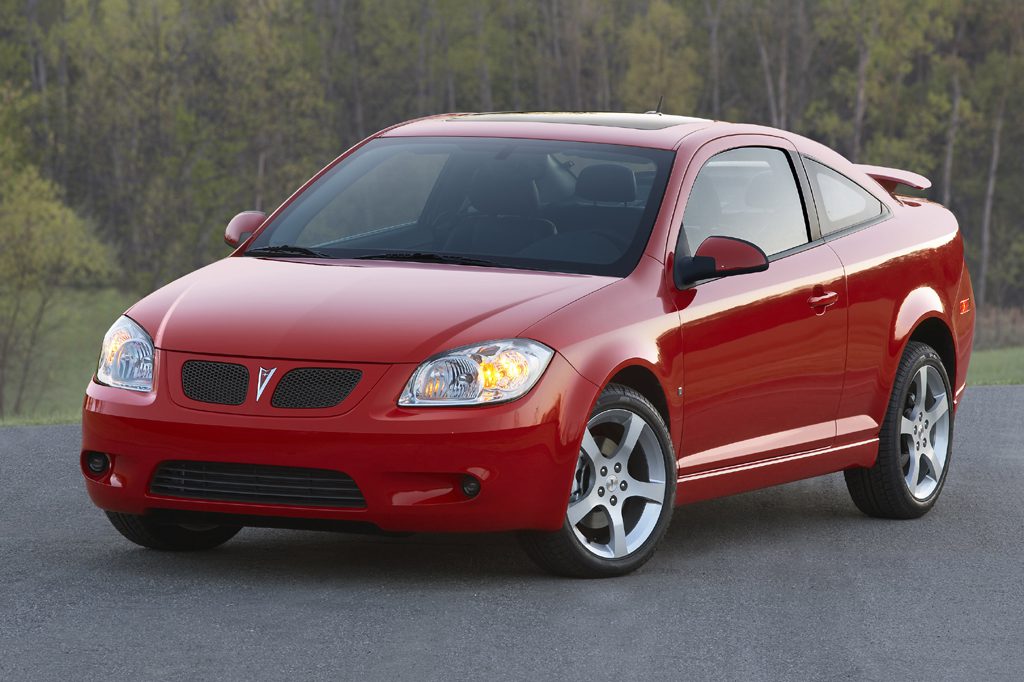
(963, 330)
(900, 272)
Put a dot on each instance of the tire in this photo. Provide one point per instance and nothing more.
(917, 432)
(146, 532)
(606, 533)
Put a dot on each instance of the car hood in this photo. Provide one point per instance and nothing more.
(350, 311)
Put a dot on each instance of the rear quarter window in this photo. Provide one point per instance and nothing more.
(844, 202)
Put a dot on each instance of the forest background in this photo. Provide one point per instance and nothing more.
(132, 130)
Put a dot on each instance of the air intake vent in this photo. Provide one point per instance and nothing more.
(215, 382)
(315, 387)
(258, 484)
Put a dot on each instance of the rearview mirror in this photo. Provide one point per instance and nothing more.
(719, 257)
(241, 226)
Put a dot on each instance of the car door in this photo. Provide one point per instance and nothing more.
(763, 353)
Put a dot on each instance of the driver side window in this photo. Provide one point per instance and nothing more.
(748, 193)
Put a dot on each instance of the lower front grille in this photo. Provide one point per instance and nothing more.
(259, 484)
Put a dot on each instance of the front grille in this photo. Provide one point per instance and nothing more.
(215, 382)
(315, 387)
(256, 483)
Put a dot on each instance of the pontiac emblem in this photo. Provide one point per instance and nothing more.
(263, 380)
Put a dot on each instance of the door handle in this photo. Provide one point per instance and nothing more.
(821, 302)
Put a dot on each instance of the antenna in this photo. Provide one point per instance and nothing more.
(658, 110)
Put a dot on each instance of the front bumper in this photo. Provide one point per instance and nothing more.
(408, 463)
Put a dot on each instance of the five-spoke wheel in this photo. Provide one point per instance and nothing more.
(622, 492)
(915, 443)
(619, 487)
(924, 433)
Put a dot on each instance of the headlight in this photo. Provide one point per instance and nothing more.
(492, 372)
(126, 359)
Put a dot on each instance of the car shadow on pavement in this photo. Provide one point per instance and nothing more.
(815, 507)
(735, 524)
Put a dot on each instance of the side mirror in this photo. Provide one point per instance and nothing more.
(241, 226)
(719, 257)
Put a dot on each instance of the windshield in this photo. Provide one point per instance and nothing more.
(542, 205)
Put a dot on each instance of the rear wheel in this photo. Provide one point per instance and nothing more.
(622, 493)
(145, 531)
(915, 443)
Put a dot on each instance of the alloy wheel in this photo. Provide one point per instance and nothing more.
(619, 487)
(924, 433)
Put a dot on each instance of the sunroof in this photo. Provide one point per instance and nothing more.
(636, 121)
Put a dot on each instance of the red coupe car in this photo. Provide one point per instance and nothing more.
(564, 324)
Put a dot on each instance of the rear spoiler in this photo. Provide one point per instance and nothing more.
(890, 178)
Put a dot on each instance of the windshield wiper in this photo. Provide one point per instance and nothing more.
(424, 257)
(286, 250)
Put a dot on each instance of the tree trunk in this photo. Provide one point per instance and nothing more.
(33, 341)
(782, 87)
(714, 18)
(804, 53)
(574, 60)
(954, 117)
(861, 102)
(261, 167)
(539, 93)
(556, 52)
(38, 57)
(15, 293)
(769, 86)
(355, 78)
(421, 64)
(63, 80)
(10, 327)
(990, 191)
(604, 79)
(512, 26)
(951, 133)
(39, 76)
(449, 74)
(486, 101)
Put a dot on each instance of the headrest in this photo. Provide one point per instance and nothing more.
(704, 206)
(766, 190)
(606, 182)
(503, 188)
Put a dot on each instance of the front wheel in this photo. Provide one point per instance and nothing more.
(145, 531)
(622, 496)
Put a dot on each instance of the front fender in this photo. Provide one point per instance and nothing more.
(629, 323)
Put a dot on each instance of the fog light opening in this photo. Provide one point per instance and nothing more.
(470, 486)
(97, 463)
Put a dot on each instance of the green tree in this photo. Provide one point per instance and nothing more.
(158, 119)
(46, 249)
(661, 60)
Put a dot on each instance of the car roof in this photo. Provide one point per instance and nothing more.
(660, 131)
(648, 121)
(654, 130)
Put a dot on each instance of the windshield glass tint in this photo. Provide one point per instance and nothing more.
(542, 205)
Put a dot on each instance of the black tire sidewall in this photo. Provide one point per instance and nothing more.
(146, 532)
(919, 356)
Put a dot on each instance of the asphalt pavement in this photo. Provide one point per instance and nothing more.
(781, 584)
